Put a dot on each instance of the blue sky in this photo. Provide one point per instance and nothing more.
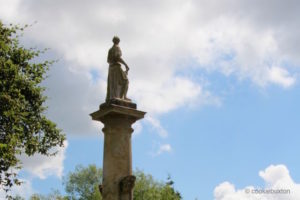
(219, 82)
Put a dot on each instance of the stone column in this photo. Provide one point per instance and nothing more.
(117, 117)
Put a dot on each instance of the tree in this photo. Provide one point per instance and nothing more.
(24, 128)
(146, 188)
(83, 184)
(54, 195)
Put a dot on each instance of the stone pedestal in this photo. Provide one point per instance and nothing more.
(117, 117)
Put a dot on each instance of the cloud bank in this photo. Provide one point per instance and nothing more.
(279, 185)
(43, 166)
(162, 41)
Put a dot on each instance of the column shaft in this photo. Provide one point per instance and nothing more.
(117, 117)
(117, 158)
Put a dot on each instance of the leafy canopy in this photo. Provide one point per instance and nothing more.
(82, 184)
(24, 129)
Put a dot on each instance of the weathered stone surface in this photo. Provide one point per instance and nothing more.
(119, 102)
(117, 80)
(126, 187)
(117, 118)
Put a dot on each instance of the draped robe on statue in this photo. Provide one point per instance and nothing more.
(117, 81)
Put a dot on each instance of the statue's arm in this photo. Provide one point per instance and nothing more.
(124, 63)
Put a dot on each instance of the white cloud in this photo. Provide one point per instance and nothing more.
(159, 149)
(161, 97)
(248, 40)
(281, 77)
(72, 97)
(164, 148)
(157, 126)
(8, 9)
(43, 166)
(278, 184)
(24, 190)
(137, 127)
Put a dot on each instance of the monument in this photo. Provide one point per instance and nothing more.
(117, 113)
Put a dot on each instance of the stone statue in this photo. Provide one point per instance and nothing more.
(118, 114)
(117, 81)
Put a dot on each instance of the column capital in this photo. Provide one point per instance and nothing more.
(117, 109)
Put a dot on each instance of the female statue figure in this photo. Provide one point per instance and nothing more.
(117, 81)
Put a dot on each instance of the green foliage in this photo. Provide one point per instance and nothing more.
(83, 184)
(55, 195)
(18, 198)
(23, 125)
(146, 188)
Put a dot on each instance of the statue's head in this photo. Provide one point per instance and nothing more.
(116, 40)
